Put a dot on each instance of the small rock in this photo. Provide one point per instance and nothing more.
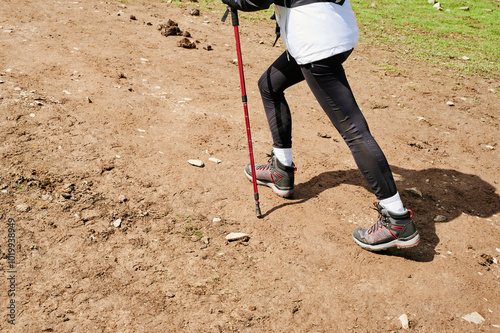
(89, 214)
(218, 220)
(197, 163)
(450, 103)
(440, 218)
(437, 5)
(46, 197)
(252, 308)
(206, 240)
(465, 58)
(208, 48)
(234, 236)
(490, 147)
(373, 5)
(404, 321)
(195, 238)
(415, 191)
(194, 12)
(23, 208)
(215, 160)
(186, 43)
(324, 135)
(431, 1)
(117, 223)
(66, 195)
(122, 198)
(464, 8)
(488, 10)
(473, 317)
(133, 18)
(235, 61)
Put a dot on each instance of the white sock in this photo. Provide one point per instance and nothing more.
(284, 155)
(393, 204)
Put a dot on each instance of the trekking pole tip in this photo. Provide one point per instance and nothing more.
(257, 210)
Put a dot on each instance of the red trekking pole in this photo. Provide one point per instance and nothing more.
(234, 17)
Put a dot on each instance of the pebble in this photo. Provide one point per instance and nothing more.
(450, 103)
(415, 191)
(218, 220)
(234, 236)
(440, 218)
(438, 6)
(431, 1)
(490, 147)
(464, 8)
(117, 223)
(122, 198)
(404, 321)
(473, 317)
(89, 214)
(23, 208)
(215, 160)
(197, 163)
(465, 58)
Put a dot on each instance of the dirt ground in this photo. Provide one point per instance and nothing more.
(115, 231)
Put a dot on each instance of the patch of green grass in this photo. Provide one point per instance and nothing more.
(438, 37)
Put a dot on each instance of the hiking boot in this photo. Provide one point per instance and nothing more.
(391, 230)
(277, 176)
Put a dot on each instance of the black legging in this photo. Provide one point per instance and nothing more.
(327, 81)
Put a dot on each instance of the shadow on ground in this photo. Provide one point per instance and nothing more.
(444, 192)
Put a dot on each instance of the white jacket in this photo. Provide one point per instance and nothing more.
(317, 30)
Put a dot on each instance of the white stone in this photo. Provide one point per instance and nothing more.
(234, 236)
(440, 218)
(450, 103)
(404, 321)
(415, 191)
(197, 163)
(473, 317)
(23, 208)
(215, 160)
(117, 223)
(216, 220)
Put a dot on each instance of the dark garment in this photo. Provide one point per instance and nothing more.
(327, 81)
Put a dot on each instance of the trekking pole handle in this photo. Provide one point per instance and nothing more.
(234, 16)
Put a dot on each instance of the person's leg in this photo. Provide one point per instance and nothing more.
(328, 82)
(283, 73)
(279, 173)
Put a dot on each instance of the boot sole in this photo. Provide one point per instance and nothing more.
(399, 243)
(276, 190)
